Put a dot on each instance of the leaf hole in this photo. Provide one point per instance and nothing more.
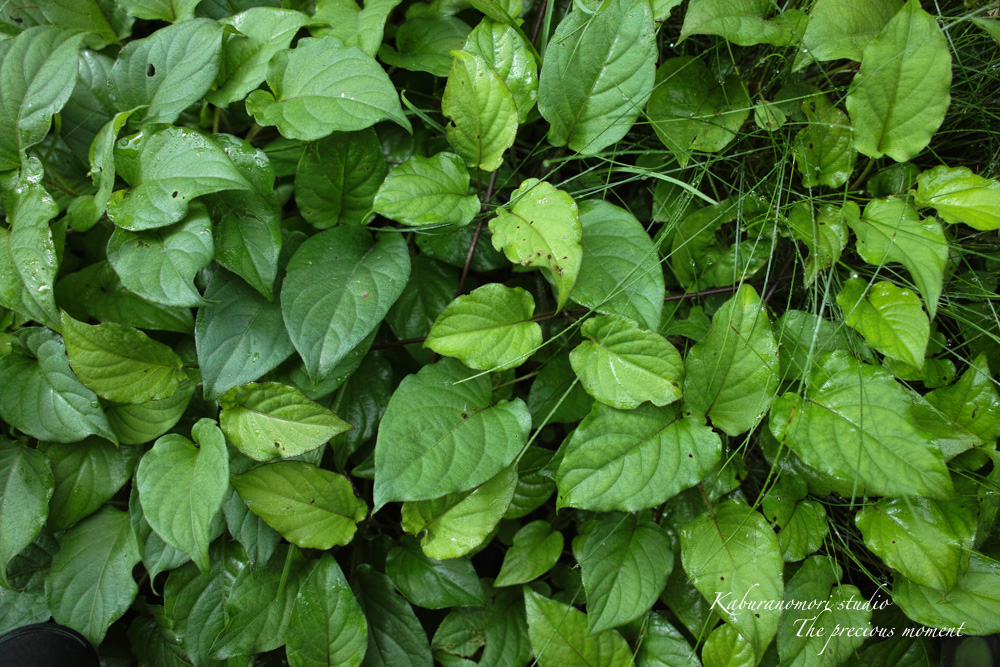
(150, 70)
(174, 195)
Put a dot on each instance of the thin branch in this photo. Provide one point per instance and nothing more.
(475, 236)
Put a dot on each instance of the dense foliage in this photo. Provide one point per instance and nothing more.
(501, 332)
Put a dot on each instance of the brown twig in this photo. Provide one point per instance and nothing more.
(475, 236)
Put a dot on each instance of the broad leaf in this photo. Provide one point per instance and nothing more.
(28, 260)
(258, 539)
(560, 638)
(824, 231)
(181, 488)
(890, 319)
(311, 507)
(843, 28)
(824, 151)
(338, 177)
(664, 646)
(556, 395)
(173, 11)
(322, 86)
(742, 22)
(970, 406)
(427, 191)
(432, 286)
(900, 95)
(732, 375)
(355, 25)
(481, 109)
(139, 423)
(26, 485)
(86, 474)
(803, 523)
(424, 43)
(395, 636)
(444, 432)
(503, 48)
(725, 647)
(958, 195)
(542, 228)
(430, 583)
(973, 604)
(535, 550)
(86, 210)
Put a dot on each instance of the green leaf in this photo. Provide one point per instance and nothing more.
(833, 630)
(534, 483)
(623, 366)
(725, 647)
(488, 329)
(167, 71)
(843, 28)
(535, 550)
(824, 151)
(742, 22)
(481, 109)
(856, 425)
(26, 485)
(430, 583)
(137, 424)
(625, 563)
(90, 584)
(337, 179)
(167, 167)
(991, 26)
(172, 11)
(86, 475)
(443, 432)
(559, 636)
(23, 607)
(424, 42)
(925, 540)
(356, 26)
(85, 210)
(340, 284)
(803, 523)
(258, 538)
(556, 395)
(181, 488)
(506, 51)
(89, 107)
(824, 231)
(664, 646)
(890, 319)
(322, 86)
(620, 271)
(37, 73)
(395, 636)
(691, 111)
(427, 191)
(971, 405)
(431, 288)
(160, 264)
(457, 523)
(327, 626)
(453, 247)
(732, 556)
(269, 421)
(973, 605)
(890, 230)
(261, 33)
(311, 507)
(120, 363)
(40, 396)
(732, 375)
(153, 638)
(362, 401)
(28, 260)
(542, 228)
(899, 97)
(597, 74)
(104, 22)
(958, 195)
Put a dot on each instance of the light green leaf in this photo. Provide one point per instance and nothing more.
(691, 111)
(88, 108)
(160, 264)
(503, 49)
(732, 375)
(803, 524)
(427, 191)
(559, 636)
(395, 635)
(855, 425)
(620, 271)
(664, 646)
(632, 460)
(424, 43)
(824, 152)
(28, 260)
(598, 72)
(339, 285)
(481, 109)
(104, 22)
(925, 540)
(890, 230)
(899, 97)
(625, 563)
(168, 167)
(261, 32)
(971, 405)
(172, 11)
(535, 550)
(270, 421)
(181, 488)
(85, 210)
(167, 71)
(824, 231)
(144, 422)
(121, 363)
(311, 507)
(86, 475)
(457, 523)
(37, 73)
(488, 329)
(430, 583)
(991, 26)
(327, 626)
(338, 177)
(322, 86)
(623, 366)
(743, 22)
(843, 28)
(26, 485)
(542, 228)
(725, 647)
(824, 635)
(443, 432)
(354, 25)
(958, 195)
(90, 584)
(40, 395)
(258, 538)
(890, 319)
(732, 556)
(973, 604)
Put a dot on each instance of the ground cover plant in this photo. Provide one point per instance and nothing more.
(501, 332)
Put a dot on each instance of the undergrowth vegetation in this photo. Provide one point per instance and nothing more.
(501, 332)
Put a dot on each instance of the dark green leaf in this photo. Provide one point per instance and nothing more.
(337, 179)
(430, 583)
(27, 484)
(395, 636)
